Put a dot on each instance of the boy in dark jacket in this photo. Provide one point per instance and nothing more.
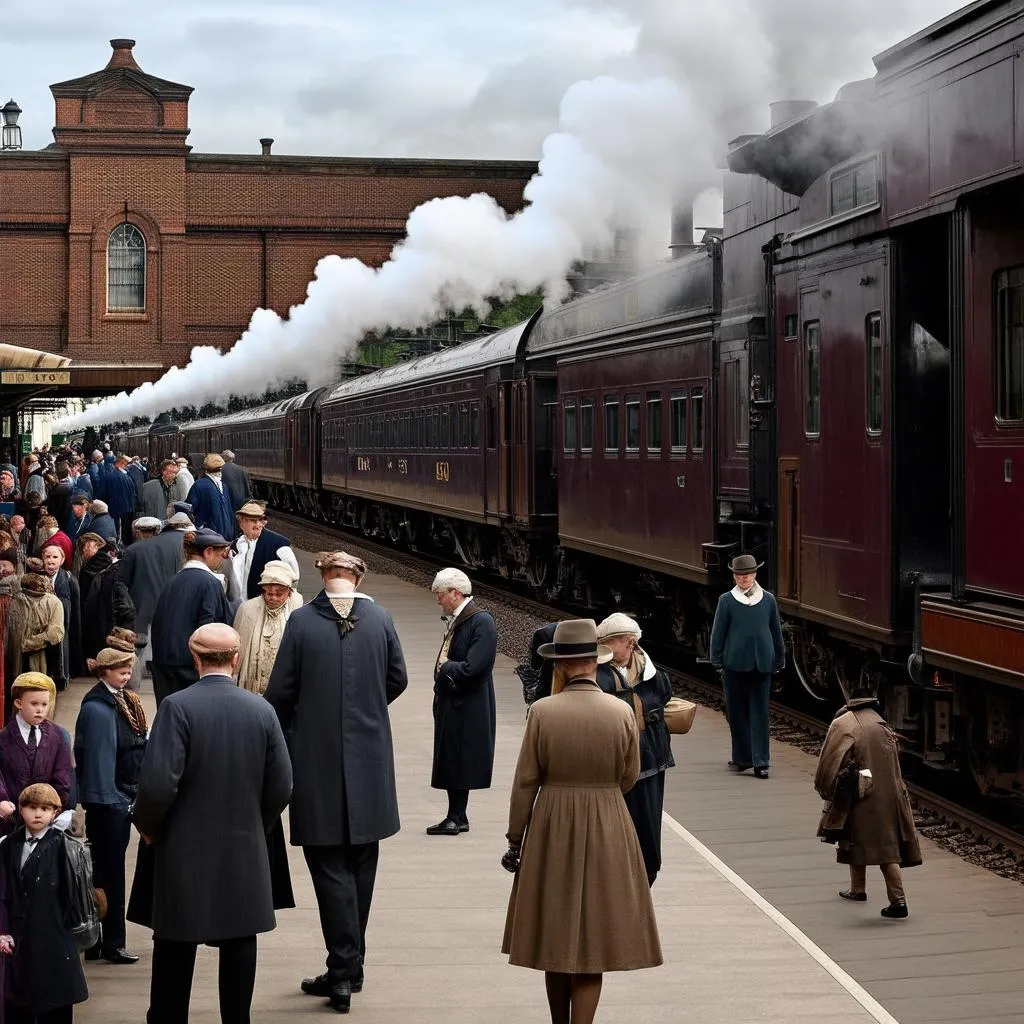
(110, 740)
(44, 972)
(32, 748)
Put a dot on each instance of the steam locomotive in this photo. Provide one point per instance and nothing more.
(835, 385)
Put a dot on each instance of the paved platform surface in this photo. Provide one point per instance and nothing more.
(435, 931)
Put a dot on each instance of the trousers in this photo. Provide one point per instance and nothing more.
(16, 1015)
(746, 704)
(168, 679)
(458, 802)
(892, 874)
(170, 989)
(343, 879)
(109, 830)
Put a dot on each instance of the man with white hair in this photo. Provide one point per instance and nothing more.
(464, 705)
(236, 480)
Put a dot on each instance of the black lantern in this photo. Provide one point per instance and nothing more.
(11, 136)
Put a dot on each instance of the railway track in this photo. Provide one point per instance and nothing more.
(962, 830)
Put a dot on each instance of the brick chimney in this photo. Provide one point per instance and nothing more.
(122, 55)
(265, 145)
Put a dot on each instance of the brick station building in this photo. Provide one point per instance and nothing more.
(122, 249)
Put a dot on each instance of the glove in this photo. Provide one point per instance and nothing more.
(510, 862)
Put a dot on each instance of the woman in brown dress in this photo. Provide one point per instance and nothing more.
(580, 902)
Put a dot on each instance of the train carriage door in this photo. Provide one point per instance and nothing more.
(545, 429)
(496, 451)
(789, 529)
(522, 461)
(289, 445)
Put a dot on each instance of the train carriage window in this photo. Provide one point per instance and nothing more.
(444, 426)
(474, 425)
(874, 373)
(654, 421)
(697, 418)
(812, 379)
(586, 424)
(1009, 339)
(464, 426)
(742, 406)
(569, 425)
(677, 419)
(854, 187)
(790, 327)
(611, 423)
(632, 423)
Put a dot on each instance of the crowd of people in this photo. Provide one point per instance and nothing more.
(202, 599)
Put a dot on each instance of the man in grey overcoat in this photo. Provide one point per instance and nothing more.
(339, 667)
(215, 778)
(464, 706)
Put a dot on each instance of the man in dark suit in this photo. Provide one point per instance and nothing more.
(211, 870)
(192, 599)
(464, 705)
(211, 505)
(339, 667)
(236, 481)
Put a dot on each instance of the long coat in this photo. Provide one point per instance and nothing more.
(464, 705)
(194, 598)
(146, 567)
(236, 483)
(65, 588)
(45, 971)
(580, 901)
(331, 686)
(879, 827)
(214, 779)
(155, 498)
(211, 507)
(106, 604)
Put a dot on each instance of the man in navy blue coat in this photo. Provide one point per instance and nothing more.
(210, 501)
(192, 599)
(119, 494)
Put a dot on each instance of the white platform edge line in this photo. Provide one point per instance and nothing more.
(851, 985)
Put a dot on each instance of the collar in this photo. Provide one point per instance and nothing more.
(756, 593)
(112, 690)
(34, 839)
(197, 563)
(460, 608)
(25, 728)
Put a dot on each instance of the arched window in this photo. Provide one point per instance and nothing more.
(126, 270)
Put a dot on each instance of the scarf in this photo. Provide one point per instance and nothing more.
(129, 706)
(258, 658)
(626, 678)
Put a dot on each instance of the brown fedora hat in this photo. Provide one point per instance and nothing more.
(576, 638)
(743, 564)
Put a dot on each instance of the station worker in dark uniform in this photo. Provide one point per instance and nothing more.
(464, 705)
(194, 598)
(580, 903)
(867, 807)
(747, 645)
(252, 549)
(633, 677)
(215, 778)
(211, 504)
(339, 667)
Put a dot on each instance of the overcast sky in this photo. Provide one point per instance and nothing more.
(458, 78)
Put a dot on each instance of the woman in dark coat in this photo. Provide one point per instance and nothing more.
(464, 705)
(106, 602)
(747, 646)
(633, 677)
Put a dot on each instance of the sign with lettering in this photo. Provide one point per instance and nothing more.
(43, 377)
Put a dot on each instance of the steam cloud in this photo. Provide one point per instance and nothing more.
(627, 146)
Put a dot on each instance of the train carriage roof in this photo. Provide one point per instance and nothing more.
(261, 412)
(495, 349)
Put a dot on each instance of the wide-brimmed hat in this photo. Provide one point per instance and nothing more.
(277, 572)
(743, 564)
(253, 509)
(576, 638)
(213, 462)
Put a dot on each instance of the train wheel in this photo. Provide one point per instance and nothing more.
(813, 665)
(537, 571)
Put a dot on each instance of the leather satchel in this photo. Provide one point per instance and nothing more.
(679, 715)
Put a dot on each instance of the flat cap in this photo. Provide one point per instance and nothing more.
(33, 681)
(98, 507)
(276, 571)
(147, 523)
(618, 624)
(94, 537)
(340, 560)
(36, 583)
(214, 638)
(253, 509)
(179, 521)
(207, 538)
(182, 506)
(213, 462)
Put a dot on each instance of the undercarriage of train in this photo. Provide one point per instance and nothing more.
(950, 723)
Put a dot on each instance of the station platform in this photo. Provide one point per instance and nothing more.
(734, 952)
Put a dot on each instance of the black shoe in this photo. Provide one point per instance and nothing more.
(340, 998)
(740, 767)
(94, 952)
(119, 956)
(463, 824)
(854, 897)
(322, 985)
(896, 910)
(445, 828)
(761, 772)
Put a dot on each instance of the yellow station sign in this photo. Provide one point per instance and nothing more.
(43, 377)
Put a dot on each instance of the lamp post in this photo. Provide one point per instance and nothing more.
(11, 133)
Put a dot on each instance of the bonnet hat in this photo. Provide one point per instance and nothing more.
(575, 638)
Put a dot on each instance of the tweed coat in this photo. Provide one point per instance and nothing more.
(580, 901)
(331, 686)
(146, 567)
(464, 705)
(879, 828)
(214, 779)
